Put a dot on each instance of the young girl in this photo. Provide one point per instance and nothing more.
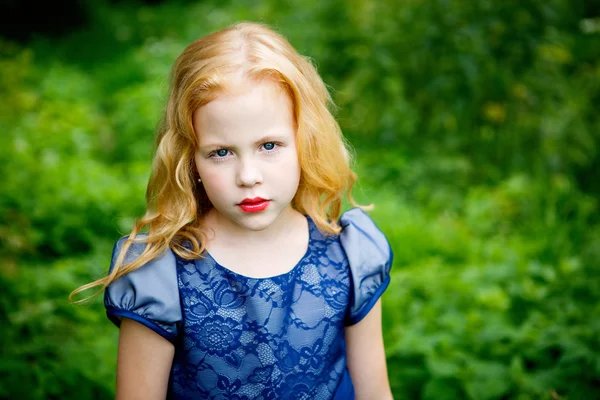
(248, 284)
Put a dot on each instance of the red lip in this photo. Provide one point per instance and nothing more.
(256, 204)
(253, 201)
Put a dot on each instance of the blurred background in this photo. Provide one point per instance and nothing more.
(476, 128)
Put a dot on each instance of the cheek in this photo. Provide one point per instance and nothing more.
(294, 164)
(288, 173)
(214, 187)
(214, 180)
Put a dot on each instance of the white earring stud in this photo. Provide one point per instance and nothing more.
(199, 180)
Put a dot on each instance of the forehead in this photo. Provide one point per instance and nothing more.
(247, 110)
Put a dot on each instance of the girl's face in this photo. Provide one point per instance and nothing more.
(247, 157)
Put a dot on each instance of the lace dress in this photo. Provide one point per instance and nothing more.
(279, 337)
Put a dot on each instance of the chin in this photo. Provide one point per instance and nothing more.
(261, 220)
(256, 223)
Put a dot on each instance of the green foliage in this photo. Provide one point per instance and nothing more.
(488, 313)
(476, 130)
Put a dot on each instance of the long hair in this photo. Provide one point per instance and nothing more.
(175, 200)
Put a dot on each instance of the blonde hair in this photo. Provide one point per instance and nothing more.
(174, 198)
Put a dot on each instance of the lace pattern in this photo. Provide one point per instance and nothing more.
(238, 337)
(267, 338)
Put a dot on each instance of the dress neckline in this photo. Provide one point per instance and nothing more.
(311, 228)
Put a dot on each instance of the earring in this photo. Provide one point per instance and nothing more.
(199, 180)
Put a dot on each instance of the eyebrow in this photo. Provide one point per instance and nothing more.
(267, 138)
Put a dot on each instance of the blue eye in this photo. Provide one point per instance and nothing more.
(221, 153)
(269, 146)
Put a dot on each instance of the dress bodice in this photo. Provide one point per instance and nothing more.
(281, 337)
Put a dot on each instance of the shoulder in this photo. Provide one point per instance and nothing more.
(362, 239)
(165, 260)
(149, 294)
(369, 258)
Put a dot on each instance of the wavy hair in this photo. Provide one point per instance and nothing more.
(175, 200)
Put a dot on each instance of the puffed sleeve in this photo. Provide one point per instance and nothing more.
(370, 260)
(148, 295)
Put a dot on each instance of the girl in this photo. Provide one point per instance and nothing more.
(248, 284)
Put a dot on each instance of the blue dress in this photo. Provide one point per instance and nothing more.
(279, 337)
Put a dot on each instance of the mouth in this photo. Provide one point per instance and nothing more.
(256, 204)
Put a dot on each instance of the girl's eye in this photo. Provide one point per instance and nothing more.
(269, 146)
(219, 155)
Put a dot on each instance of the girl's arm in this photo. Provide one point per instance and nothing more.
(366, 357)
(143, 363)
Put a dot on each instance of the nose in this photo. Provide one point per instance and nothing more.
(249, 173)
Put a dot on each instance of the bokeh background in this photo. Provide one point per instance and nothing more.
(476, 128)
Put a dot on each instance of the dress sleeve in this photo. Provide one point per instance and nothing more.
(148, 295)
(370, 260)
